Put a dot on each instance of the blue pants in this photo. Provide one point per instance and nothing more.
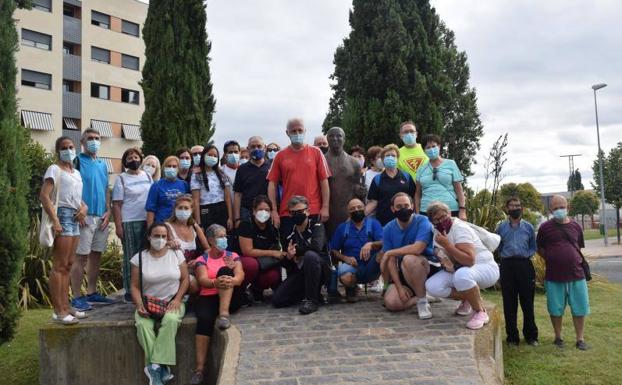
(366, 272)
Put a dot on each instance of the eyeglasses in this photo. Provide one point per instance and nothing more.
(92, 138)
(296, 212)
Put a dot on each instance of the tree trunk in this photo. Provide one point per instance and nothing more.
(618, 222)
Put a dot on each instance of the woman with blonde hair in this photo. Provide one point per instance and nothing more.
(151, 165)
(164, 193)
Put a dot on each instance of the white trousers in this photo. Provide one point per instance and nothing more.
(483, 275)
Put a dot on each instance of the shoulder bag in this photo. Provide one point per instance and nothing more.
(584, 265)
(46, 230)
(155, 306)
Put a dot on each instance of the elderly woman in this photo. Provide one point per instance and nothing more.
(158, 273)
(151, 165)
(220, 275)
(439, 179)
(468, 265)
(163, 193)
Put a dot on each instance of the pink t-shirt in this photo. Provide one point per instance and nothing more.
(213, 265)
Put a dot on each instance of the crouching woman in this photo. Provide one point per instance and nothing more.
(158, 274)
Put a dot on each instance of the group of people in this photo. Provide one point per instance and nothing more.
(213, 231)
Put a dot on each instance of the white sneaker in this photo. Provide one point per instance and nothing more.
(377, 287)
(423, 308)
(432, 299)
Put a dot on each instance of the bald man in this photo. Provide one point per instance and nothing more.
(321, 143)
(559, 241)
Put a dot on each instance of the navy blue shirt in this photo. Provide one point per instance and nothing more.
(350, 245)
(419, 230)
(382, 189)
(517, 241)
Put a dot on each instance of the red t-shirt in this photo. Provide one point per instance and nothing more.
(300, 172)
(213, 265)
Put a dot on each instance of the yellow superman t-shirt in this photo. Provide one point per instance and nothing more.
(411, 159)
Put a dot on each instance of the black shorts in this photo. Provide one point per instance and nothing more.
(433, 270)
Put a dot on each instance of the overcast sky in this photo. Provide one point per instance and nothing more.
(532, 63)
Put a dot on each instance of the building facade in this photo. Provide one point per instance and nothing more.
(79, 65)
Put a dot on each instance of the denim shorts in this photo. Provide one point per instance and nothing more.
(365, 272)
(71, 228)
(561, 294)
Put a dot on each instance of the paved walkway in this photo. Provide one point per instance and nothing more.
(595, 248)
(355, 343)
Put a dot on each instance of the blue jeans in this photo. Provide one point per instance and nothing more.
(71, 227)
(366, 272)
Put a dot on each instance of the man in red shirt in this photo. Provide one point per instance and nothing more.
(302, 170)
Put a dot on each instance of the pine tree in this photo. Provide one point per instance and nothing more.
(13, 176)
(176, 77)
(400, 62)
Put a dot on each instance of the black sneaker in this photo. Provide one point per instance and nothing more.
(559, 342)
(581, 345)
(335, 297)
(307, 307)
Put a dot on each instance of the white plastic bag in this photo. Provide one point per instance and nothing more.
(490, 240)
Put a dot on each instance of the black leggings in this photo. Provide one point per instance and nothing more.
(206, 306)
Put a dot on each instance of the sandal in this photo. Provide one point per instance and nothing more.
(78, 314)
(66, 320)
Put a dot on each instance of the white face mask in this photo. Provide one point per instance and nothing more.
(157, 243)
(262, 216)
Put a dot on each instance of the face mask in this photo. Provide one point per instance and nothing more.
(390, 161)
(404, 214)
(221, 243)
(243, 160)
(432, 153)
(67, 155)
(516, 213)
(357, 216)
(324, 150)
(93, 146)
(409, 139)
(170, 172)
(257, 154)
(149, 170)
(361, 163)
(196, 159)
(560, 214)
(379, 163)
(262, 216)
(444, 226)
(271, 154)
(157, 243)
(299, 218)
(183, 215)
(210, 161)
(133, 165)
(184, 164)
(233, 158)
(297, 138)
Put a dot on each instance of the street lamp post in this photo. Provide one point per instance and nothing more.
(597, 87)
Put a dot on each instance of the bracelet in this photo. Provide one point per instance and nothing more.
(461, 208)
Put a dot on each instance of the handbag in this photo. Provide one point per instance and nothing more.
(156, 307)
(268, 263)
(584, 265)
(46, 230)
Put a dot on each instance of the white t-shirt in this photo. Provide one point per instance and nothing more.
(230, 174)
(215, 194)
(369, 177)
(161, 275)
(70, 184)
(132, 190)
(461, 232)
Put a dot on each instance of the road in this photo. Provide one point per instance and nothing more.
(610, 267)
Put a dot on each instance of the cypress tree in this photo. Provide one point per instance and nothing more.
(176, 77)
(400, 62)
(13, 176)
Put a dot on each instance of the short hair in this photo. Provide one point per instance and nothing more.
(60, 141)
(407, 123)
(296, 200)
(230, 143)
(197, 146)
(87, 131)
(211, 231)
(130, 151)
(255, 137)
(435, 207)
(170, 159)
(401, 194)
(181, 151)
(373, 152)
(158, 171)
(294, 121)
(244, 150)
(272, 144)
(358, 149)
(390, 147)
(182, 198)
(430, 138)
(511, 199)
(259, 199)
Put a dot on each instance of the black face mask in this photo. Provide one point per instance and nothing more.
(404, 214)
(299, 218)
(324, 150)
(516, 213)
(133, 165)
(357, 216)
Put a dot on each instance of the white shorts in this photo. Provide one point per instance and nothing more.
(92, 238)
(483, 275)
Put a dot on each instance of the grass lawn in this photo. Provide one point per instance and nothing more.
(548, 365)
(595, 234)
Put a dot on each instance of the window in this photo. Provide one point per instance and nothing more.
(100, 19)
(36, 79)
(68, 49)
(42, 5)
(100, 55)
(128, 61)
(100, 91)
(69, 10)
(36, 39)
(129, 28)
(66, 86)
(129, 96)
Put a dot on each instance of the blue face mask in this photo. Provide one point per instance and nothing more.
(184, 163)
(390, 161)
(170, 172)
(93, 146)
(210, 161)
(196, 159)
(409, 139)
(560, 214)
(432, 152)
(221, 243)
(257, 154)
(272, 154)
(297, 138)
(233, 158)
(67, 155)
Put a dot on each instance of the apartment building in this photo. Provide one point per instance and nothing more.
(79, 65)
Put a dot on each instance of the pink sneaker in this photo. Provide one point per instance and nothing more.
(478, 320)
(464, 308)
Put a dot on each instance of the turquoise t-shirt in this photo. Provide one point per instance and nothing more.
(95, 184)
(439, 185)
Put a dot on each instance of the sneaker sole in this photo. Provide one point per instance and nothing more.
(146, 370)
(485, 323)
(425, 317)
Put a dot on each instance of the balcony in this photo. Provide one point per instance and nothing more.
(72, 105)
(72, 30)
(76, 3)
(72, 67)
